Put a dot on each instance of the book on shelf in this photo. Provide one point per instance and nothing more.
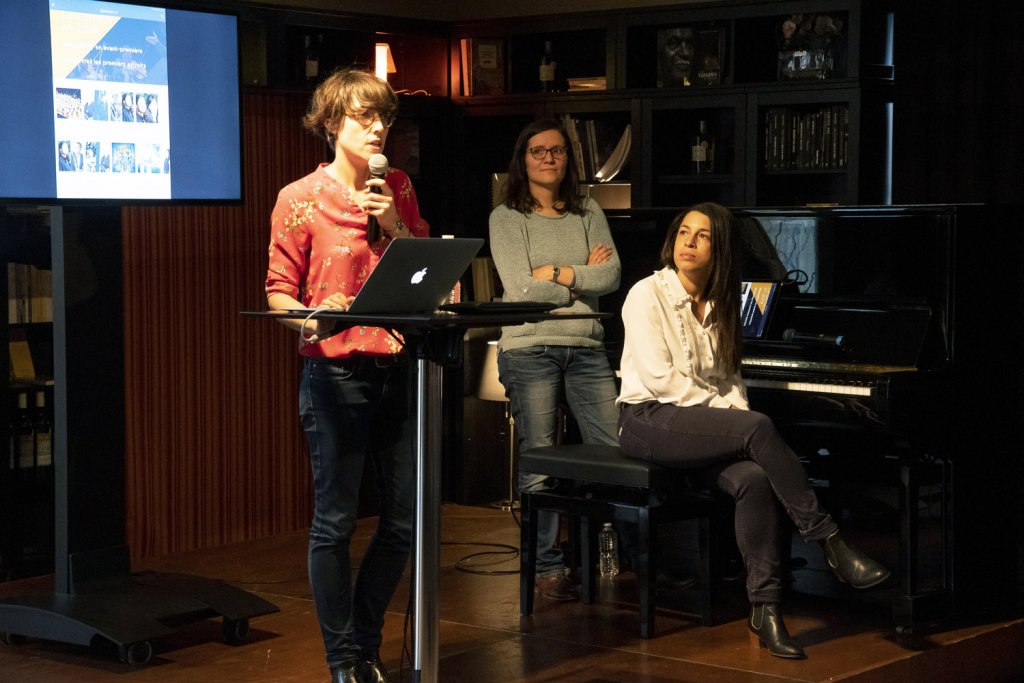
(588, 84)
(618, 158)
(486, 284)
(29, 294)
(465, 73)
(22, 368)
(799, 140)
(599, 147)
(483, 66)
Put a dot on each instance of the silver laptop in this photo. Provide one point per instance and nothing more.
(415, 275)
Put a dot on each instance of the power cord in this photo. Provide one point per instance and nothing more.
(504, 553)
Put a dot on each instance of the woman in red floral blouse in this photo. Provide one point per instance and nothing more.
(353, 398)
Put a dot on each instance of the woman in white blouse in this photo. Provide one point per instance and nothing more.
(683, 405)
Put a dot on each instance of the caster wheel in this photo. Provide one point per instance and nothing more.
(136, 654)
(236, 631)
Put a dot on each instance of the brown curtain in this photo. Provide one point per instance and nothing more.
(214, 452)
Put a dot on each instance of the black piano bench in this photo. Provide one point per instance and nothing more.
(596, 481)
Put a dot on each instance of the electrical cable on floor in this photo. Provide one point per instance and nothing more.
(506, 553)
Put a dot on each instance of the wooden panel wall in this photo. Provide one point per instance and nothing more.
(214, 452)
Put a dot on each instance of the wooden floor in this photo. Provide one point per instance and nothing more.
(482, 637)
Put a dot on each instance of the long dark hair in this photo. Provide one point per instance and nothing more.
(723, 286)
(517, 193)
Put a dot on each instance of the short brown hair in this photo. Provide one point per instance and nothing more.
(339, 93)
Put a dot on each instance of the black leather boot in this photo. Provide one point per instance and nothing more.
(371, 670)
(767, 629)
(346, 672)
(851, 565)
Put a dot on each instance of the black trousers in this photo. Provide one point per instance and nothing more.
(741, 453)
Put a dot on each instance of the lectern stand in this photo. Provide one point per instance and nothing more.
(95, 596)
(433, 341)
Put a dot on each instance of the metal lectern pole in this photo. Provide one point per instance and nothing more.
(426, 585)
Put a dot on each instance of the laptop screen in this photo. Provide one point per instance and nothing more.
(756, 304)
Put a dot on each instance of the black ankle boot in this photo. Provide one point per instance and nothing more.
(851, 565)
(346, 672)
(766, 627)
(371, 669)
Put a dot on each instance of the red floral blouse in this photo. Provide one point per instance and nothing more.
(318, 247)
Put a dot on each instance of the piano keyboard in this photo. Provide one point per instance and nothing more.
(815, 387)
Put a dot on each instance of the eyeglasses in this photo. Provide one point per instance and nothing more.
(366, 117)
(539, 153)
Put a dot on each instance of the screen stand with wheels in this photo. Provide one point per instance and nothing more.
(95, 595)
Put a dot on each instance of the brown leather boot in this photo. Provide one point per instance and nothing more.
(557, 587)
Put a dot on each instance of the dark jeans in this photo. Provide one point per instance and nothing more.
(739, 452)
(535, 378)
(353, 410)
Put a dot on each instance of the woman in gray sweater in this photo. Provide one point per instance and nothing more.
(550, 244)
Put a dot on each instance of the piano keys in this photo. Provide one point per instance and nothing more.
(929, 302)
(880, 358)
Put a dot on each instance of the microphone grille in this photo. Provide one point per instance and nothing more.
(378, 165)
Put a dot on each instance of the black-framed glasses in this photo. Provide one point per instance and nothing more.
(538, 153)
(366, 117)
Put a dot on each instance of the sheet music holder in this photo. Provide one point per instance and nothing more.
(757, 303)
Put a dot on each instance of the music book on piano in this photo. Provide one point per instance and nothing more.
(757, 302)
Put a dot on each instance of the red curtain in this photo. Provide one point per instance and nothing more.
(214, 452)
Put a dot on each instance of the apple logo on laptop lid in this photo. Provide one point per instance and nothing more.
(418, 276)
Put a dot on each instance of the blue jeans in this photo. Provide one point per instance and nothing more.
(353, 410)
(536, 379)
(741, 453)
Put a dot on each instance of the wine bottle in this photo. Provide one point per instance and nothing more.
(42, 426)
(23, 431)
(702, 150)
(312, 60)
(12, 439)
(547, 69)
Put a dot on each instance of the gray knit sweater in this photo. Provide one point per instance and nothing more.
(520, 243)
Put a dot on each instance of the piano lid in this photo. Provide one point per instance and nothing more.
(846, 332)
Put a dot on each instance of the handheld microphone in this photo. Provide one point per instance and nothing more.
(378, 167)
(836, 340)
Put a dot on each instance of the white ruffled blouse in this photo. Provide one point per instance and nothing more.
(669, 356)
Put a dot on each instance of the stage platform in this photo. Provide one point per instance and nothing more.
(482, 637)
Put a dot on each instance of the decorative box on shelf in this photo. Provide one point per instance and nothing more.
(610, 195)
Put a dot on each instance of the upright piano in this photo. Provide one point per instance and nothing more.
(892, 364)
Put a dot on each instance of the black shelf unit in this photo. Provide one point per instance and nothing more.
(663, 119)
(26, 489)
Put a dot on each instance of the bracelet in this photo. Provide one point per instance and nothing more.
(572, 285)
(399, 227)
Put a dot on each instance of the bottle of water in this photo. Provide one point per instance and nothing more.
(608, 543)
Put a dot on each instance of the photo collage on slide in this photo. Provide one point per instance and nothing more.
(110, 99)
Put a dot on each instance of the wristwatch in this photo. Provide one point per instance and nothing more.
(555, 270)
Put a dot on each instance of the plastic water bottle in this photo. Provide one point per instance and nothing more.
(608, 543)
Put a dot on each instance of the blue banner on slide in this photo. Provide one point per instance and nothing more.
(132, 51)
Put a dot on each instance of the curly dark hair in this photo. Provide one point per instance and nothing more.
(723, 286)
(517, 193)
